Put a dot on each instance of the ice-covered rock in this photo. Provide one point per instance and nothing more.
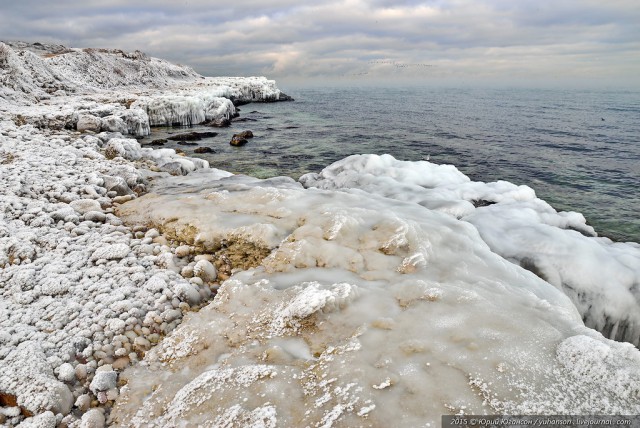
(205, 271)
(94, 418)
(186, 110)
(83, 206)
(43, 420)
(88, 123)
(127, 148)
(113, 124)
(601, 277)
(26, 374)
(362, 309)
(103, 380)
(111, 252)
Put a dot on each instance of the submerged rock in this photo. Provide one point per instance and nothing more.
(244, 134)
(220, 123)
(238, 141)
(192, 136)
(204, 150)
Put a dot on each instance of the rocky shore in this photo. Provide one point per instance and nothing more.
(83, 295)
(374, 293)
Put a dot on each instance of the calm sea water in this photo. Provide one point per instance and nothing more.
(579, 149)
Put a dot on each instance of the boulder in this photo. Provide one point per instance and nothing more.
(87, 122)
(204, 150)
(114, 124)
(124, 147)
(220, 122)
(85, 205)
(244, 134)
(237, 141)
(192, 136)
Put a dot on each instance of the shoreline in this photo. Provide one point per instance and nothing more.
(85, 295)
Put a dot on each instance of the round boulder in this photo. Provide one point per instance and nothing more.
(88, 122)
(238, 141)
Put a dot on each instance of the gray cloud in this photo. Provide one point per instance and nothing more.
(338, 39)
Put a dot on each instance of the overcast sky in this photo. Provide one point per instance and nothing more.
(513, 41)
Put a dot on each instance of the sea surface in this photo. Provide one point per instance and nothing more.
(579, 149)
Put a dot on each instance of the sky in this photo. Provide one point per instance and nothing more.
(559, 42)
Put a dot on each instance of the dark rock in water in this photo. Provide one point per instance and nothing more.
(204, 150)
(482, 203)
(291, 127)
(244, 134)
(192, 136)
(238, 141)
(254, 112)
(219, 123)
(236, 102)
(285, 97)
(187, 143)
(270, 129)
(180, 151)
(158, 142)
(245, 119)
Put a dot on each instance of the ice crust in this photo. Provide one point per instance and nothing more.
(368, 310)
(601, 277)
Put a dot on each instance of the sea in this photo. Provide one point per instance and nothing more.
(578, 149)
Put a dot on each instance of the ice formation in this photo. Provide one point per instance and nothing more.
(367, 311)
(600, 276)
(375, 293)
(115, 91)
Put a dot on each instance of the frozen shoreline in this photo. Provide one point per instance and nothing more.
(82, 295)
(368, 284)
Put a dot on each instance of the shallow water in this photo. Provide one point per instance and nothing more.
(578, 149)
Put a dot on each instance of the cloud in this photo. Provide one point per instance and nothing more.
(325, 39)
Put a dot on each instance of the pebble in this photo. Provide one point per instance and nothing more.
(183, 251)
(94, 418)
(103, 380)
(141, 344)
(205, 270)
(66, 373)
(83, 206)
(95, 216)
(83, 402)
(81, 371)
